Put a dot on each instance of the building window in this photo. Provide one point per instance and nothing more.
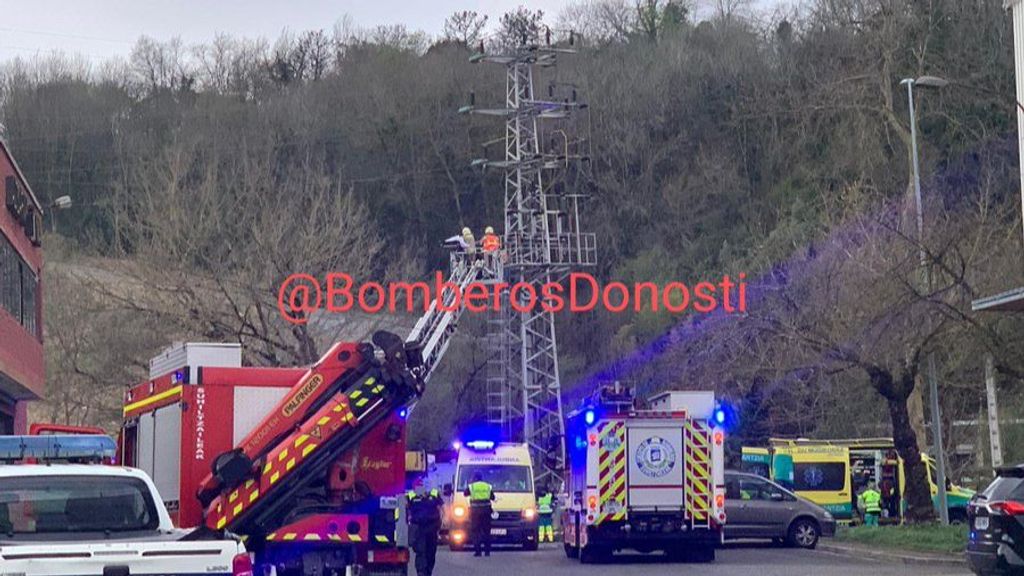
(19, 287)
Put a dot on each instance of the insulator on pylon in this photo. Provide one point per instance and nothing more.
(573, 94)
(547, 36)
(481, 46)
(472, 97)
(572, 38)
(551, 90)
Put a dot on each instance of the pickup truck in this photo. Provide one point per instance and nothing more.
(90, 519)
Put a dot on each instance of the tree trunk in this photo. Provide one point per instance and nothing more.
(916, 492)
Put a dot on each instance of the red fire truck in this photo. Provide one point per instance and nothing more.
(307, 464)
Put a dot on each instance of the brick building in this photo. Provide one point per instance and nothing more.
(21, 317)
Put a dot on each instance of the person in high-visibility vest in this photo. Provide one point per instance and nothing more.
(546, 510)
(481, 494)
(870, 501)
(491, 242)
(424, 524)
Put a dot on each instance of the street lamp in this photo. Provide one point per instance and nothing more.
(61, 203)
(933, 388)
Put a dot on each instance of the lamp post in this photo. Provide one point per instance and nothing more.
(933, 388)
(61, 203)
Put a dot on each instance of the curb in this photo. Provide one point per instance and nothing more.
(892, 556)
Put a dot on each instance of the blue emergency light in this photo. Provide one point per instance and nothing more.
(403, 413)
(719, 416)
(725, 416)
(589, 417)
(481, 444)
(77, 447)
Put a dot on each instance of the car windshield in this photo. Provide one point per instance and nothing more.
(51, 504)
(501, 478)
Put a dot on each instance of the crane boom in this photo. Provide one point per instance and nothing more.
(335, 404)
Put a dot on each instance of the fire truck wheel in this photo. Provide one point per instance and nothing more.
(704, 554)
(592, 554)
(571, 551)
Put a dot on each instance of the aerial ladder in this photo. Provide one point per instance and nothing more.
(292, 488)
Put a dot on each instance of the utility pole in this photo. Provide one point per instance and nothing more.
(994, 442)
(933, 387)
(543, 242)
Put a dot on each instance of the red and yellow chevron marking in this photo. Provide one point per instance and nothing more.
(334, 416)
(698, 470)
(339, 413)
(611, 470)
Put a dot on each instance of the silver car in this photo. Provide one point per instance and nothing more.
(756, 507)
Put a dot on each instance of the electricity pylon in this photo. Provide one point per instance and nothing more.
(543, 242)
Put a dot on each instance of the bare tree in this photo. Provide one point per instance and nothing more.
(464, 27)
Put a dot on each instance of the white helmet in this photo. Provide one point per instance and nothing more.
(466, 232)
(489, 230)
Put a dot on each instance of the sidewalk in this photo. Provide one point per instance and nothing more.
(891, 554)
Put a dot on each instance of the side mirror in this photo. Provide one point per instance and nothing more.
(447, 490)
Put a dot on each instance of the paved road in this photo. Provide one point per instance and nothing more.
(735, 560)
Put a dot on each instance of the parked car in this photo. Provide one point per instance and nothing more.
(92, 519)
(756, 507)
(995, 543)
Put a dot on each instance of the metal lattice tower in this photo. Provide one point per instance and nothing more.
(543, 243)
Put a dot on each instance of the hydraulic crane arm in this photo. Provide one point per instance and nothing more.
(328, 411)
(433, 332)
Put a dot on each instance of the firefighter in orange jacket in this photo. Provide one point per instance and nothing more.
(491, 243)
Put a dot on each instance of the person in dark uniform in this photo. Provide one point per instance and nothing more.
(481, 494)
(424, 524)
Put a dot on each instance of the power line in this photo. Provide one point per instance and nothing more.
(64, 35)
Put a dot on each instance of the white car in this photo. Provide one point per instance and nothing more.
(91, 519)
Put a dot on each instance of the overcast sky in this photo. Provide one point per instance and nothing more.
(99, 29)
(103, 28)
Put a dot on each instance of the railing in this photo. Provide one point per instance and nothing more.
(559, 250)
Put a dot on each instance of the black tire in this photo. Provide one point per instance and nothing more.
(595, 555)
(803, 533)
(703, 555)
(958, 516)
(571, 551)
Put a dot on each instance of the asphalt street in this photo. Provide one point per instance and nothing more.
(734, 560)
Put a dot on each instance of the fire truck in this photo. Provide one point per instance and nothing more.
(645, 478)
(306, 464)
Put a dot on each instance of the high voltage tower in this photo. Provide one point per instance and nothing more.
(545, 168)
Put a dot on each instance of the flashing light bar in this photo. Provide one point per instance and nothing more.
(481, 444)
(92, 447)
(589, 417)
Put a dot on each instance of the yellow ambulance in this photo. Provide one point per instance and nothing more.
(508, 468)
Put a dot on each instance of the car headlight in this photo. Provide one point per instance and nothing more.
(459, 512)
(529, 513)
